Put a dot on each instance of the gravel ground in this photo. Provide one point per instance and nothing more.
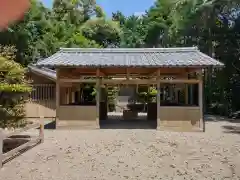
(131, 154)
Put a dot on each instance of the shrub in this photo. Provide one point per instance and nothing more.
(13, 89)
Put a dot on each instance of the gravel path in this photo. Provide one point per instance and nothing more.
(131, 154)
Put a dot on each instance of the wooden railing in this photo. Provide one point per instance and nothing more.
(32, 141)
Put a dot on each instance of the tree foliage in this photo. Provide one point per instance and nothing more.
(13, 86)
(133, 30)
(213, 26)
(104, 32)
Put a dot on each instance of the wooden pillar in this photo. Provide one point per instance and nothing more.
(171, 92)
(176, 93)
(98, 98)
(186, 89)
(186, 94)
(158, 99)
(73, 96)
(191, 94)
(68, 94)
(200, 100)
(57, 96)
(127, 77)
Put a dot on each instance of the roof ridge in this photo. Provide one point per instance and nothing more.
(129, 50)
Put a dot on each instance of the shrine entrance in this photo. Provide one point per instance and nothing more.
(123, 107)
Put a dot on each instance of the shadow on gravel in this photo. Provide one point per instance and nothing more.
(232, 129)
(213, 118)
(127, 124)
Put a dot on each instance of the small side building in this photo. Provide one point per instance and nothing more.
(42, 100)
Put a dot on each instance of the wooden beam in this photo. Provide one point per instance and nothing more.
(101, 73)
(150, 81)
(76, 72)
(77, 80)
(131, 81)
(179, 81)
(154, 73)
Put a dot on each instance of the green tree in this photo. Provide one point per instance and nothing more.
(73, 12)
(13, 86)
(26, 34)
(104, 32)
(133, 30)
(99, 12)
(158, 22)
(78, 40)
(213, 26)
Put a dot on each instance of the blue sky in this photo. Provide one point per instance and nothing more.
(128, 7)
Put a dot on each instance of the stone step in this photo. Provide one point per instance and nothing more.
(76, 124)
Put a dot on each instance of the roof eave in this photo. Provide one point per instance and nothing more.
(31, 68)
(133, 66)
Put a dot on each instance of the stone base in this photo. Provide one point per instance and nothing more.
(78, 124)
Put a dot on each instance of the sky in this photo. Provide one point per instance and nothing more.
(127, 7)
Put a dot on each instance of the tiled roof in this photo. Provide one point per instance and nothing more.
(130, 57)
(49, 73)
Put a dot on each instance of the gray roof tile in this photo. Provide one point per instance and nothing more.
(141, 57)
